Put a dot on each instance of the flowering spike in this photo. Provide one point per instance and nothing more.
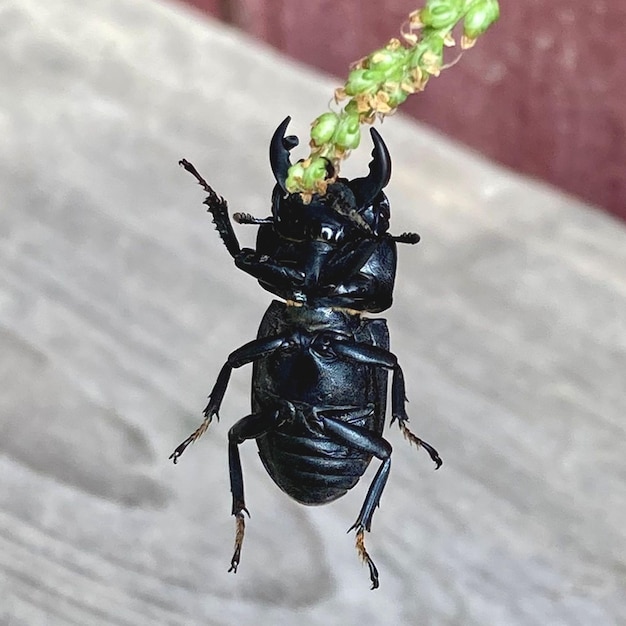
(380, 82)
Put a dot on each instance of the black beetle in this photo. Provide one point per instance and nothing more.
(319, 382)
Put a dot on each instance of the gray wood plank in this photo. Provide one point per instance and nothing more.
(118, 306)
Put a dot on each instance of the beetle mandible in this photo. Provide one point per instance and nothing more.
(320, 366)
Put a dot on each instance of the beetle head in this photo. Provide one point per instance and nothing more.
(359, 203)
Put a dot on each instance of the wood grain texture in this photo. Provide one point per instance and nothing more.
(118, 305)
(542, 92)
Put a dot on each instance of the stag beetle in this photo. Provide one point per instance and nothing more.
(319, 381)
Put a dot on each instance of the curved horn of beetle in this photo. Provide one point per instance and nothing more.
(367, 188)
(280, 146)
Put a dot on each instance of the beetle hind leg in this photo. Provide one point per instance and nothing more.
(240, 529)
(366, 558)
(249, 427)
(364, 520)
(359, 438)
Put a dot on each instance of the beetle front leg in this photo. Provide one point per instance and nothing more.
(246, 259)
(252, 351)
(374, 355)
(218, 208)
(347, 281)
(249, 427)
(268, 270)
(366, 441)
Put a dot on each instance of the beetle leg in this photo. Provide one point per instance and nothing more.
(342, 282)
(366, 441)
(252, 351)
(417, 442)
(398, 412)
(374, 355)
(218, 208)
(349, 259)
(268, 270)
(249, 427)
(246, 259)
(365, 557)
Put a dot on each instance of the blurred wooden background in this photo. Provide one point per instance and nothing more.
(543, 92)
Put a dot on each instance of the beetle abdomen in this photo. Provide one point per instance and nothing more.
(311, 469)
(305, 463)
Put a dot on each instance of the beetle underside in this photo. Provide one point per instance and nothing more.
(320, 367)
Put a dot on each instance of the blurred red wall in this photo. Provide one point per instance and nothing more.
(543, 92)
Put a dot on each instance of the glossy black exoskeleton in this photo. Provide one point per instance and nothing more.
(319, 383)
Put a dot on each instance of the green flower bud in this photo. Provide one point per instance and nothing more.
(315, 172)
(395, 74)
(352, 108)
(397, 96)
(348, 134)
(480, 16)
(432, 58)
(361, 81)
(294, 176)
(440, 14)
(385, 59)
(324, 127)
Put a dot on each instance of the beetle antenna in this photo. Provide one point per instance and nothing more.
(411, 238)
(246, 218)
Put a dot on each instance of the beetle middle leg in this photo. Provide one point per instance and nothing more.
(359, 438)
(252, 351)
(249, 427)
(398, 412)
(374, 355)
